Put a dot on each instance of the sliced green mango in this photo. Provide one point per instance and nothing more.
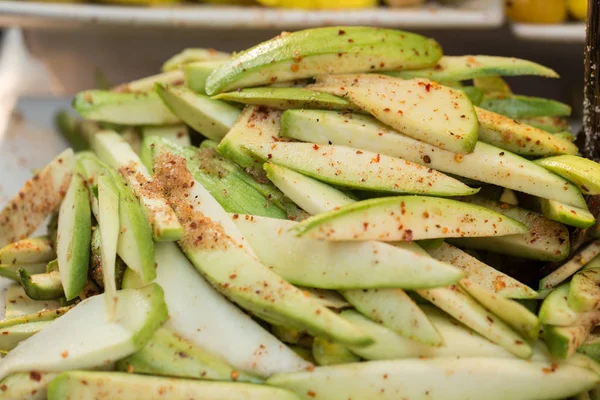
(555, 310)
(565, 135)
(82, 338)
(473, 93)
(517, 107)
(519, 138)
(10, 270)
(584, 290)
(359, 169)
(287, 335)
(492, 85)
(218, 250)
(216, 323)
(123, 108)
(313, 52)
(465, 309)
(563, 341)
(174, 77)
(486, 163)
(168, 354)
(43, 315)
(28, 251)
(52, 266)
(131, 136)
(312, 195)
(135, 245)
(548, 124)
(96, 270)
(593, 263)
(582, 172)
(326, 352)
(566, 214)
(115, 152)
(286, 98)
(459, 341)
(68, 126)
(108, 224)
(196, 74)
(396, 310)
(514, 314)
(485, 276)
(462, 68)
(46, 286)
(212, 118)
(254, 125)
(407, 218)
(570, 267)
(225, 181)
(256, 179)
(509, 196)
(11, 336)
(439, 379)
(26, 385)
(582, 396)
(192, 55)
(78, 132)
(178, 134)
(545, 239)
(424, 110)
(591, 346)
(87, 385)
(340, 265)
(73, 240)
(37, 199)
(328, 298)
(18, 304)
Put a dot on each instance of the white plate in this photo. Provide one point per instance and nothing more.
(468, 14)
(571, 32)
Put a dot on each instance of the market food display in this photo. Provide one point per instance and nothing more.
(336, 213)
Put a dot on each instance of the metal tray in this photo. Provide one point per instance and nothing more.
(468, 14)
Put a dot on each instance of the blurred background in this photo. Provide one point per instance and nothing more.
(52, 50)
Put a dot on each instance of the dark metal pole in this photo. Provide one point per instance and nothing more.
(588, 139)
(591, 88)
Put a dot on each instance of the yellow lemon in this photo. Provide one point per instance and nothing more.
(319, 4)
(536, 11)
(578, 9)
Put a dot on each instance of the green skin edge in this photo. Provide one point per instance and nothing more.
(517, 107)
(346, 49)
(128, 201)
(560, 341)
(580, 171)
(470, 69)
(48, 289)
(313, 222)
(44, 315)
(214, 181)
(287, 98)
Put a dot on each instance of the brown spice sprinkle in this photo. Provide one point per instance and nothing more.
(172, 178)
(35, 376)
(28, 209)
